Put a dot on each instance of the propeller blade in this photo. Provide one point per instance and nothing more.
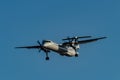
(39, 42)
(39, 50)
(40, 46)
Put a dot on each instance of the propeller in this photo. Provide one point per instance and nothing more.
(40, 45)
(42, 48)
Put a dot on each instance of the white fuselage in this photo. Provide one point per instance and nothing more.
(62, 50)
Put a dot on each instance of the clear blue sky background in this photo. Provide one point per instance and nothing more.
(23, 22)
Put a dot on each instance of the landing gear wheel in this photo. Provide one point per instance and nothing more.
(47, 58)
(76, 55)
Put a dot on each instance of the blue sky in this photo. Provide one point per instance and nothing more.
(24, 22)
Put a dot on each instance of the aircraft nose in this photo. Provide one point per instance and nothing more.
(46, 44)
(43, 42)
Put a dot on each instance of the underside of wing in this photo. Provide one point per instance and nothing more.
(30, 47)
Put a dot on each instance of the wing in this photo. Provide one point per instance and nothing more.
(76, 37)
(90, 40)
(30, 47)
(84, 41)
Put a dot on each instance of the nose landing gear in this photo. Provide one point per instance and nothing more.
(47, 58)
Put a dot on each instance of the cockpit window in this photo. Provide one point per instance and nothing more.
(46, 41)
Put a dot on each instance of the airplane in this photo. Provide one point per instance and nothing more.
(69, 47)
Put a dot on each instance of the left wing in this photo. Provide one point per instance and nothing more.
(90, 40)
(84, 41)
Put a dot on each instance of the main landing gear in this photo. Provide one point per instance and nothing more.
(76, 55)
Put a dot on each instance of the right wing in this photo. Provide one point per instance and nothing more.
(30, 47)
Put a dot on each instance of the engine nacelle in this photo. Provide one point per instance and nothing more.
(77, 46)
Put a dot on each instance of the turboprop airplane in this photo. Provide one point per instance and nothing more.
(69, 47)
